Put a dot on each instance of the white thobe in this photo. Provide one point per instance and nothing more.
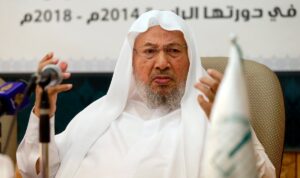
(140, 143)
(134, 147)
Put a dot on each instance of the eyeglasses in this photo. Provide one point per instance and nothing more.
(172, 50)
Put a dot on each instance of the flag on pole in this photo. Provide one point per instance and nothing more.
(230, 152)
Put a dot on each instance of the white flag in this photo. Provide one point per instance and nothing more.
(229, 152)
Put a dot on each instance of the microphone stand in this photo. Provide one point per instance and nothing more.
(44, 132)
(50, 76)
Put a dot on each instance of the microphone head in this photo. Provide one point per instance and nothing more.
(50, 75)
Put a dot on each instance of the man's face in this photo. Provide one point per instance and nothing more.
(160, 62)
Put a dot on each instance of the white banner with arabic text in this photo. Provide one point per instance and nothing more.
(88, 34)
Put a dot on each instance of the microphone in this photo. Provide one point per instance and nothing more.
(12, 97)
(50, 75)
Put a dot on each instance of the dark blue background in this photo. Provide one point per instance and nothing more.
(89, 87)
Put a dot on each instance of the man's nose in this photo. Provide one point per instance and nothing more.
(162, 61)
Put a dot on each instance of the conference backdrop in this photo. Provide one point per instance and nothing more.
(89, 34)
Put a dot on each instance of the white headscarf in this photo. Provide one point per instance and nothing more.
(93, 121)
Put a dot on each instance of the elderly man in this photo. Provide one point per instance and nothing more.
(149, 124)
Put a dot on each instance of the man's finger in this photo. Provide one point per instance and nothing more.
(49, 61)
(210, 83)
(206, 91)
(59, 88)
(66, 75)
(47, 57)
(63, 66)
(215, 74)
(206, 106)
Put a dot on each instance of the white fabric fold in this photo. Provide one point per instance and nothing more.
(134, 147)
(28, 150)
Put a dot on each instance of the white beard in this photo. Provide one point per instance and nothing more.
(170, 101)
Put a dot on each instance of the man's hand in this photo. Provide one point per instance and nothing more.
(52, 91)
(208, 85)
